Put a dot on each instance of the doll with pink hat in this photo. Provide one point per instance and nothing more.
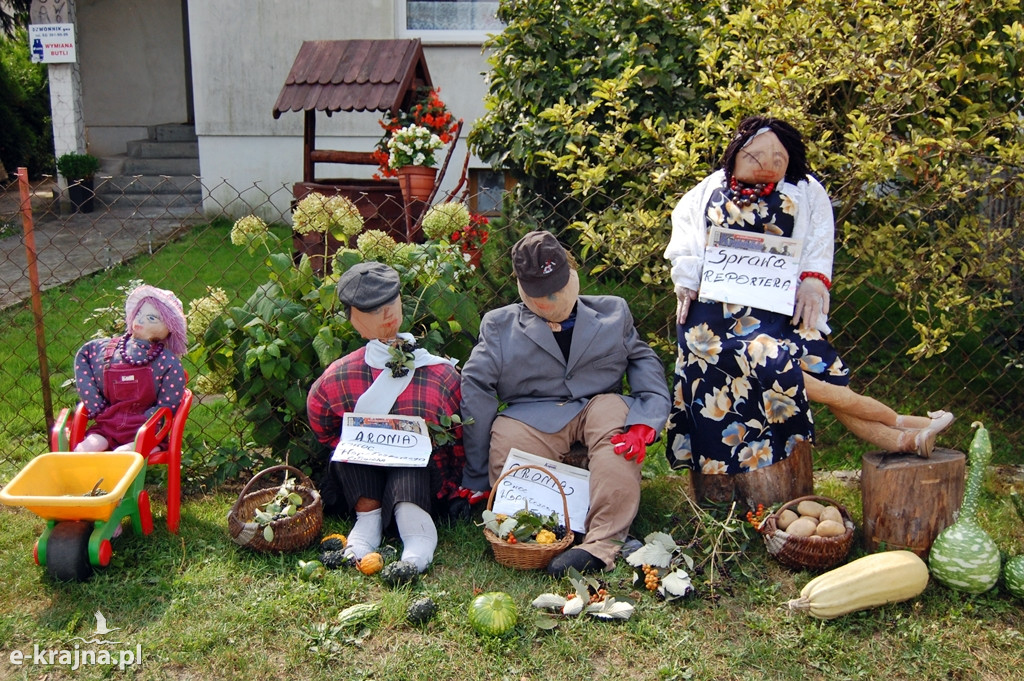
(123, 380)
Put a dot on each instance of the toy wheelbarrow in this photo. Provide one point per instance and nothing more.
(83, 497)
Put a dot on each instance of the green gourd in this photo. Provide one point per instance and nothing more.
(963, 556)
(493, 613)
(1013, 571)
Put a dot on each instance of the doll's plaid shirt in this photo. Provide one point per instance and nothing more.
(434, 391)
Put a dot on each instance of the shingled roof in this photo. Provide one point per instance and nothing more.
(353, 75)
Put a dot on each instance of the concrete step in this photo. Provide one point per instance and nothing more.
(151, 149)
(149, 201)
(172, 132)
(149, 184)
(161, 166)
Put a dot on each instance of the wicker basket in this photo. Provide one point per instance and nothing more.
(528, 555)
(807, 553)
(290, 534)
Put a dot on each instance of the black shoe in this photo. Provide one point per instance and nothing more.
(574, 558)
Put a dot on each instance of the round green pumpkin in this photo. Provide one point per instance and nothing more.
(493, 613)
(1013, 575)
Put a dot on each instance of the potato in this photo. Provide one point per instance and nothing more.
(785, 519)
(802, 527)
(830, 528)
(811, 508)
(831, 513)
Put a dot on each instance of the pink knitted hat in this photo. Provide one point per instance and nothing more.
(171, 312)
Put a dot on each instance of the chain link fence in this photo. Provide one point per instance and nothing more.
(157, 233)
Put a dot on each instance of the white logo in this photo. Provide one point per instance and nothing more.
(101, 630)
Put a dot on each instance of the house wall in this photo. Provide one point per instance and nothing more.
(132, 68)
(242, 51)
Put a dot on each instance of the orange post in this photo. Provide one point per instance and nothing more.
(37, 303)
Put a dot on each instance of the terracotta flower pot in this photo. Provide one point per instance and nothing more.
(416, 182)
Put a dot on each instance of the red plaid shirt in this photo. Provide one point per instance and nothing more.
(435, 390)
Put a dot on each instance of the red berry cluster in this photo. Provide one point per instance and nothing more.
(756, 518)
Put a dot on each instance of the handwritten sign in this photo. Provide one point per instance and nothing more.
(52, 43)
(747, 268)
(530, 488)
(383, 440)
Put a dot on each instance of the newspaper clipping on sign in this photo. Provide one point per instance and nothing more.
(383, 440)
(749, 268)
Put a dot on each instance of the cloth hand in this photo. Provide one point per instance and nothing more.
(633, 443)
(683, 296)
(812, 302)
(460, 506)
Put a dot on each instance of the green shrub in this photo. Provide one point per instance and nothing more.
(74, 166)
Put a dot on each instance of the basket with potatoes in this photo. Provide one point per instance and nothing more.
(811, 532)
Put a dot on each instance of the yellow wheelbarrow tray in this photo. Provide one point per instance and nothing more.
(83, 496)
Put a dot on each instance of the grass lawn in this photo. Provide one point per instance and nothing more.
(201, 607)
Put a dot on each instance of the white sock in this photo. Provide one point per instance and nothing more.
(366, 533)
(419, 536)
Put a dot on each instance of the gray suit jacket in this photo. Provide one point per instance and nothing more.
(517, 362)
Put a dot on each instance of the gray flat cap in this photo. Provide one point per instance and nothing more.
(368, 285)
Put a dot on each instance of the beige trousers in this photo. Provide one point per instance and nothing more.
(614, 482)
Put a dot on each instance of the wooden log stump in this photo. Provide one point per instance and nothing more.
(908, 500)
(782, 481)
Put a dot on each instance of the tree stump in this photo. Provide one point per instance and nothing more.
(908, 500)
(782, 481)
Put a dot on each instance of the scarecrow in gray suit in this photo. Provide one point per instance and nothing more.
(557, 360)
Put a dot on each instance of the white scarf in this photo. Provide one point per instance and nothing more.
(380, 397)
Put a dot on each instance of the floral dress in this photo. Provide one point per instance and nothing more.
(739, 401)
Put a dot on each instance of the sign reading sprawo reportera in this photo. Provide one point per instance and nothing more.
(747, 268)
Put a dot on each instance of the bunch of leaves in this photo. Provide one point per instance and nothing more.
(588, 597)
(284, 504)
(523, 525)
(448, 430)
(661, 565)
(713, 544)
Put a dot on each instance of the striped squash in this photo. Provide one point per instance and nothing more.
(963, 556)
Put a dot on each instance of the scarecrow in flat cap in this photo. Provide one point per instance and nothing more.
(389, 375)
(122, 381)
(558, 360)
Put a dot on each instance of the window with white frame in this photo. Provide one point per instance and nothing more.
(448, 21)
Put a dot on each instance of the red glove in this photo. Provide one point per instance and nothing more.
(473, 496)
(633, 443)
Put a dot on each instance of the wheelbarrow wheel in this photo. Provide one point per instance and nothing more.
(67, 551)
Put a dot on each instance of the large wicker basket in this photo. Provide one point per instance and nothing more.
(290, 534)
(527, 555)
(807, 553)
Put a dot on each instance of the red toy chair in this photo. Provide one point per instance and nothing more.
(159, 440)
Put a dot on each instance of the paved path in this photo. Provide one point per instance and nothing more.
(70, 246)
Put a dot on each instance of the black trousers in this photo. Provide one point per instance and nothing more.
(387, 485)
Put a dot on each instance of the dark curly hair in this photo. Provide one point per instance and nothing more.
(788, 135)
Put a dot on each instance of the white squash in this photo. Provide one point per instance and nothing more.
(963, 556)
(876, 579)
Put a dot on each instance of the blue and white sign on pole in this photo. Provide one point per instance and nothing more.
(52, 43)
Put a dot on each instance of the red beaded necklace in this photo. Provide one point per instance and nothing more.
(155, 349)
(746, 194)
